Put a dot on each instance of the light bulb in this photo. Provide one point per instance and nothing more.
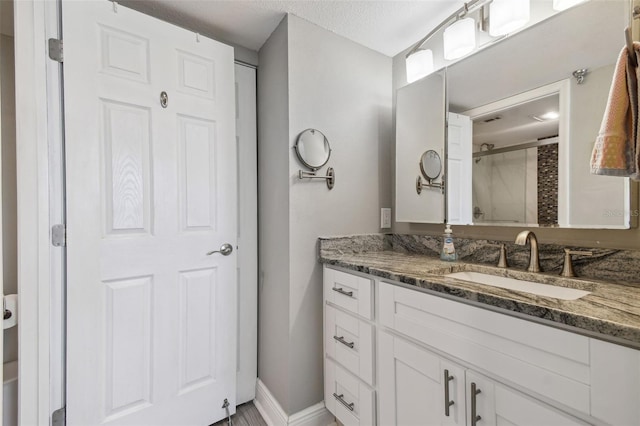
(506, 16)
(459, 38)
(419, 64)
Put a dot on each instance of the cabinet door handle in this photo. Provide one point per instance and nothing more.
(341, 291)
(344, 342)
(342, 401)
(474, 415)
(447, 403)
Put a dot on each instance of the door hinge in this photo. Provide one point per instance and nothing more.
(56, 49)
(59, 417)
(59, 235)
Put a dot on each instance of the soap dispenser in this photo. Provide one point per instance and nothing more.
(448, 249)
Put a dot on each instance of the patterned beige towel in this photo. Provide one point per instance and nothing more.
(616, 148)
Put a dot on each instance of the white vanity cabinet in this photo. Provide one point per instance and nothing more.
(349, 347)
(390, 349)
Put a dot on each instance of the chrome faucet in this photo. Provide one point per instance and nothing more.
(534, 259)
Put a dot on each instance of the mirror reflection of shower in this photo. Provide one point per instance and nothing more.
(489, 147)
(515, 167)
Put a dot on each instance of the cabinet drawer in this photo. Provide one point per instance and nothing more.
(349, 341)
(348, 291)
(346, 397)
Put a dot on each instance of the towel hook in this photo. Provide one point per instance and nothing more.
(580, 75)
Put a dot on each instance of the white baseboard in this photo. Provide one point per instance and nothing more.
(316, 415)
(271, 411)
(274, 415)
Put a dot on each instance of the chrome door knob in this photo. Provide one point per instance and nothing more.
(225, 250)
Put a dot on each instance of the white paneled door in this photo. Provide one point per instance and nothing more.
(459, 170)
(151, 189)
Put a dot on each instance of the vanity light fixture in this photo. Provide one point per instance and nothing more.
(459, 38)
(561, 5)
(419, 64)
(506, 16)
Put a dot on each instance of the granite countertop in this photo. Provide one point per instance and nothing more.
(610, 312)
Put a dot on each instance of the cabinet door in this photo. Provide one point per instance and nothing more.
(412, 386)
(498, 405)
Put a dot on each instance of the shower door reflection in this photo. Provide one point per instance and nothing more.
(502, 193)
(517, 185)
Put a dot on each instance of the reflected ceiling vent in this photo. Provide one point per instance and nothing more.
(490, 119)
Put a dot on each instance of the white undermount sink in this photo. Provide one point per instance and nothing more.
(546, 290)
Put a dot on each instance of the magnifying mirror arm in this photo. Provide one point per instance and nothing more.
(330, 177)
(428, 184)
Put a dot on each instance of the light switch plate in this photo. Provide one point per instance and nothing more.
(385, 217)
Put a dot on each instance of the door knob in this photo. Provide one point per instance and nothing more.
(225, 250)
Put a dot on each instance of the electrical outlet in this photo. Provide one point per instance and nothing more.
(385, 217)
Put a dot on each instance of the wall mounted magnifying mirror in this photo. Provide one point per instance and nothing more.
(313, 150)
(430, 165)
(431, 168)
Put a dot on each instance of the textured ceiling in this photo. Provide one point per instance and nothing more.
(386, 26)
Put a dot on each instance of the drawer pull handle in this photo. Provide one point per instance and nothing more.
(474, 416)
(342, 401)
(447, 403)
(344, 342)
(341, 291)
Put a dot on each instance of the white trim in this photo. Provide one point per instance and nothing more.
(274, 415)
(268, 406)
(520, 98)
(316, 415)
(33, 21)
(57, 326)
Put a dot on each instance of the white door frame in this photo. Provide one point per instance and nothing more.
(38, 130)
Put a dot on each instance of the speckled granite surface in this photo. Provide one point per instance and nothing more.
(611, 312)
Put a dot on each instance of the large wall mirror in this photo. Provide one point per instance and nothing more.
(521, 127)
(534, 123)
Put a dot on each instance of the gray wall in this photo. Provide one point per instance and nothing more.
(273, 215)
(344, 90)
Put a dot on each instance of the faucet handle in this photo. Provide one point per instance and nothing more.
(567, 268)
(502, 262)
